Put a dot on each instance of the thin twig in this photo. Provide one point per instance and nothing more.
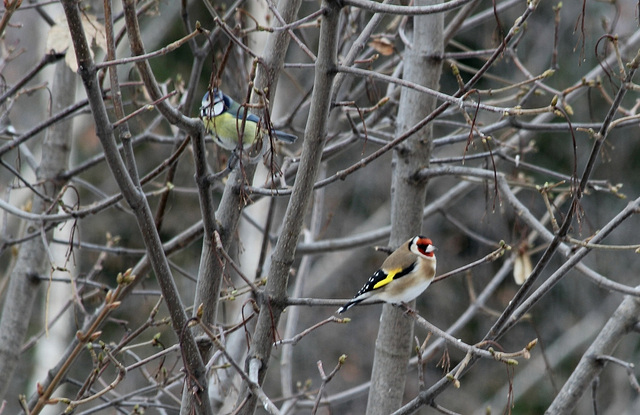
(326, 379)
(295, 339)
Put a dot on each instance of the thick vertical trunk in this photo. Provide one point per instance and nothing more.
(422, 65)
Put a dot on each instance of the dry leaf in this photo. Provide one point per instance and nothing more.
(522, 267)
(382, 45)
(59, 38)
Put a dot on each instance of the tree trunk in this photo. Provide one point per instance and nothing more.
(31, 264)
(284, 252)
(395, 336)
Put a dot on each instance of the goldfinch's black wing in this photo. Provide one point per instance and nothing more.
(378, 280)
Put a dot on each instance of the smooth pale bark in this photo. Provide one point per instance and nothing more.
(422, 65)
(30, 264)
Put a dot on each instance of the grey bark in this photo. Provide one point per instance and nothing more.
(284, 252)
(131, 190)
(30, 264)
(422, 65)
(228, 212)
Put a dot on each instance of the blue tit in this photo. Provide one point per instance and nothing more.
(223, 118)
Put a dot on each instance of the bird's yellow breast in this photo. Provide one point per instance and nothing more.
(226, 128)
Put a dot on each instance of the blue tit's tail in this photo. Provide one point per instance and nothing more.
(287, 138)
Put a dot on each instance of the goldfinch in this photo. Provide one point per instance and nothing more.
(222, 117)
(404, 275)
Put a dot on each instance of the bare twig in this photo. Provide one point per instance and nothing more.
(326, 379)
(295, 339)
